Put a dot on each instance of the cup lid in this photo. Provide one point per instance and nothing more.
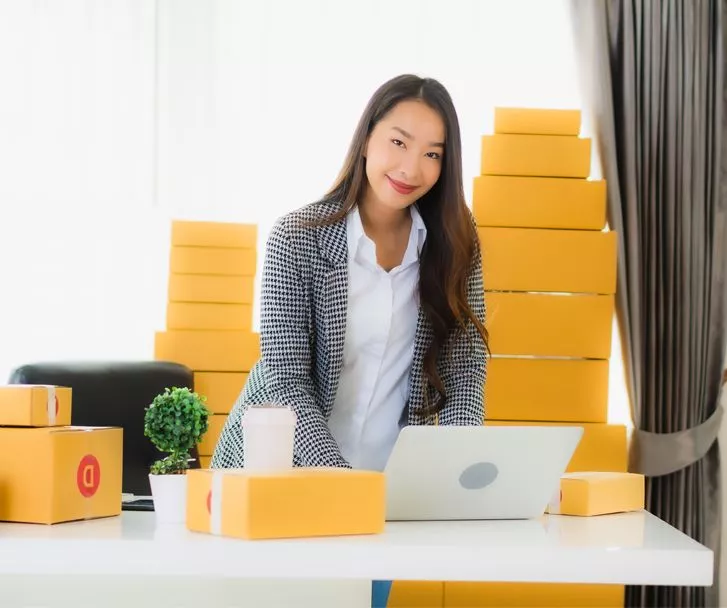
(268, 413)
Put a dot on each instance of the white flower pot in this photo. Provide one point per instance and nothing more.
(170, 498)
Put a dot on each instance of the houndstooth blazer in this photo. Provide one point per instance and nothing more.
(302, 330)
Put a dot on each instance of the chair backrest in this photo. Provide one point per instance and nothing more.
(114, 394)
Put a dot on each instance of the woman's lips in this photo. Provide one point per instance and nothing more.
(401, 187)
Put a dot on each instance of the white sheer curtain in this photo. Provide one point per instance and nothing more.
(80, 246)
(118, 116)
(76, 112)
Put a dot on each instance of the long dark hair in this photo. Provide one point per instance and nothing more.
(451, 244)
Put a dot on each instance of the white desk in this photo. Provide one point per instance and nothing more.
(133, 562)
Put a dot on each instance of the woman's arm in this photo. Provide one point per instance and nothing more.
(464, 365)
(285, 343)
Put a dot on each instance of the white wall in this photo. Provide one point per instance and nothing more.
(121, 115)
(256, 114)
(81, 243)
(77, 111)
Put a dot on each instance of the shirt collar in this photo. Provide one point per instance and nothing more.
(417, 224)
(357, 237)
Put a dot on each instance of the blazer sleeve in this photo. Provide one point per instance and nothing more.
(464, 368)
(285, 343)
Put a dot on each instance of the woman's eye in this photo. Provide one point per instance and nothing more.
(398, 142)
(434, 155)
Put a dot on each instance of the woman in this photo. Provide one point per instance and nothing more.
(372, 311)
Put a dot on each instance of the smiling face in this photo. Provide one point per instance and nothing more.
(404, 155)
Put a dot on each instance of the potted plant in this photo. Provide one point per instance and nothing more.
(175, 422)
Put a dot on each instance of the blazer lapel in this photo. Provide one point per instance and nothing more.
(334, 245)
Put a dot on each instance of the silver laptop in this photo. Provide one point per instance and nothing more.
(476, 472)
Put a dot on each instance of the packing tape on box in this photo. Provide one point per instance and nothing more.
(51, 403)
(88, 500)
(216, 503)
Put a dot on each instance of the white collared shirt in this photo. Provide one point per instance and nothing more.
(381, 326)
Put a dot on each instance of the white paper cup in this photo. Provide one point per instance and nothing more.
(268, 432)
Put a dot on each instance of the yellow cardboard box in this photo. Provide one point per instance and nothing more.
(221, 389)
(550, 325)
(224, 351)
(528, 259)
(555, 390)
(214, 234)
(211, 288)
(603, 447)
(210, 438)
(213, 260)
(536, 155)
(196, 315)
(301, 502)
(35, 405)
(598, 493)
(539, 202)
(534, 121)
(56, 474)
(532, 595)
(416, 594)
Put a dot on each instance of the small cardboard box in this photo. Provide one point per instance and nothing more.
(563, 261)
(201, 350)
(539, 202)
(300, 502)
(221, 389)
(535, 155)
(213, 289)
(204, 315)
(216, 423)
(35, 405)
(57, 474)
(228, 261)
(536, 121)
(416, 594)
(213, 234)
(532, 595)
(598, 493)
(550, 325)
(550, 390)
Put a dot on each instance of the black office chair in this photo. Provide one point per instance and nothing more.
(115, 394)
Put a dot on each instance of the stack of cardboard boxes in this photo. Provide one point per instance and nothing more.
(209, 313)
(550, 278)
(51, 472)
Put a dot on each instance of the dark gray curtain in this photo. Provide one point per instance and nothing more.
(653, 77)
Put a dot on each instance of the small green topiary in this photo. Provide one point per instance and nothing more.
(175, 422)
